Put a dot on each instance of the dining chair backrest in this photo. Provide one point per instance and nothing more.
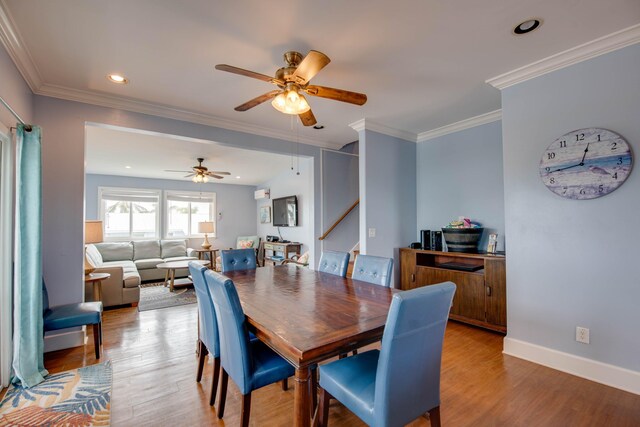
(238, 259)
(334, 262)
(207, 318)
(232, 328)
(408, 373)
(373, 269)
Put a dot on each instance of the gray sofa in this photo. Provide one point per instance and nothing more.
(131, 263)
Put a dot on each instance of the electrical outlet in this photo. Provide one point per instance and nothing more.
(582, 335)
(372, 232)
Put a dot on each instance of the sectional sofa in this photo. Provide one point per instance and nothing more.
(130, 264)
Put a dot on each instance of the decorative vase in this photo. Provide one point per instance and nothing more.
(462, 239)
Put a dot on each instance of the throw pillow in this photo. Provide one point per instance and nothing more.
(304, 258)
(245, 244)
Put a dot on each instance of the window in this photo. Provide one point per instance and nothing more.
(130, 214)
(184, 210)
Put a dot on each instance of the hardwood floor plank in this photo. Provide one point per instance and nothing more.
(154, 365)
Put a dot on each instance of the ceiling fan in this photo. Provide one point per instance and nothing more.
(200, 173)
(291, 81)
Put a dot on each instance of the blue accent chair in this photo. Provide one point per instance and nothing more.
(373, 269)
(400, 382)
(238, 259)
(251, 364)
(208, 340)
(333, 262)
(72, 315)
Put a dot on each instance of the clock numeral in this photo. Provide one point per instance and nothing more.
(552, 181)
(580, 137)
(564, 190)
(551, 156)
(600, 188)
(614, 146)
(598, 137)
(563, 144)
(615, 175)
(582, 191)
(619, 162)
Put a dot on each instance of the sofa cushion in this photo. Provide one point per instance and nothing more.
(179, 258)
(130, 275)
(93, 255)
(173, 248)
(145, 264)
(115, 251)
(146, 249)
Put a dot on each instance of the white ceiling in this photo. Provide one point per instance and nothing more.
(149, 155)
(422, 63)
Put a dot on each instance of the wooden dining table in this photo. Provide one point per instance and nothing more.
(307, 317)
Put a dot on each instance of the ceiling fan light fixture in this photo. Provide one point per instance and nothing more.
(291, 102)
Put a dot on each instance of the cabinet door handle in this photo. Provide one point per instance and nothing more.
(413, 277)
(488, 291)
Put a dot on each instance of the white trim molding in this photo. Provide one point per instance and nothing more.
(385, 130)
(600, 46)
(614, 376)
(492, 116)
(63, 340)
(15, 47)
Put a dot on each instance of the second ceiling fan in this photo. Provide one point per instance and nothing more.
(291, 81)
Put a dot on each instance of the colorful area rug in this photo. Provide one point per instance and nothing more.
(155, 295)
(80, 397)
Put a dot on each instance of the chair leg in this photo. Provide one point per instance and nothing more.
(246, 410)
(96, 339)
(100, 332)
(214, 382)
(285, 384)
(202, 351)
(223, 393)
(434, 416)
(323, 408)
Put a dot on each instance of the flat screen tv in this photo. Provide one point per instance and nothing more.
(285, 212)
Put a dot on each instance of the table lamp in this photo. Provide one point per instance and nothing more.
(92, 234)
(206, 227)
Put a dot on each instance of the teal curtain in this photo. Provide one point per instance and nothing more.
(28, 339)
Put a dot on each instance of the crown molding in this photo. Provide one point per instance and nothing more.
(492, 116)
(17, 50)
(600, 46)
(118, 102)
(363, 124)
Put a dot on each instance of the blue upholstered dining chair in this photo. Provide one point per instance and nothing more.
(373, 269)
(401, 381)
(251, 364)
(73, 315)
(334, 263)
(208, 340)
(238, 259)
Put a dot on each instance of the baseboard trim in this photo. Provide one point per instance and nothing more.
(64, 340)
(614, 376)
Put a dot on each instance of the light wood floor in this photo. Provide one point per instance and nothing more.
(154, 365)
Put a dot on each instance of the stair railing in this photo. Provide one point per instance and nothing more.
(339, 220)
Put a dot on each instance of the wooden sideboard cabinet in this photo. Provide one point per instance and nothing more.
(481, 288)
(270, 251)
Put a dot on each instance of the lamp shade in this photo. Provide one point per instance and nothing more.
(93, 232)
(205, 227)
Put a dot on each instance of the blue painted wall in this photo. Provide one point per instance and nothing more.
(387, 194)
(235, 205)
(573, 263)
(461, 174)
(15, 91)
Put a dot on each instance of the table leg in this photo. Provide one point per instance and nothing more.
(166, 278)
(301, 404)
(173, 278)
(97, 290)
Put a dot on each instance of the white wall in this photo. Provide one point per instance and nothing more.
(461, 174)
(235, 215)
(573, 262)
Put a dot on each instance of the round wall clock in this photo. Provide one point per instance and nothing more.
(586, 163)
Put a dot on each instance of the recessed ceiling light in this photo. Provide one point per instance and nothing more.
(318, 127)
(127, 167)
(118, 78)
(527, 26)
(237, 177)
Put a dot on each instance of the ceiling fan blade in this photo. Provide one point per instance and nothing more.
(215, 176)
(337, 94)
(220, 173)
(310, 66)
(257, 101)
(189, 175)
(308, 119)
(173, 170)
(247, 73)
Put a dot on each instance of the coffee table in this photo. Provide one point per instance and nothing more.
(171, 268)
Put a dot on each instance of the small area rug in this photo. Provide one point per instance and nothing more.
(80, 397)
(155, 295)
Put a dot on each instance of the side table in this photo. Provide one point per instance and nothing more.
(96, 279)
(212, 255)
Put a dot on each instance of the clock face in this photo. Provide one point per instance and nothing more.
(586, 163)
